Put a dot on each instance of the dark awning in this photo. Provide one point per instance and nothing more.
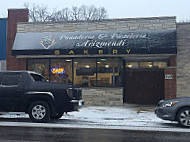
(100, 42)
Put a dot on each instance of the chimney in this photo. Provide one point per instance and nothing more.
(15, 16)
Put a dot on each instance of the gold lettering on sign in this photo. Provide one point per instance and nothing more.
(71, 52)
(85, 51)
(115, 51)
(100, 51)
(128, 50)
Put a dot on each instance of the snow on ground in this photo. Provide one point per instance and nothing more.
(116, 116)
(121, 117)
(131, 117)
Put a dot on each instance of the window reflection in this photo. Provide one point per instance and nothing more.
(40, 66)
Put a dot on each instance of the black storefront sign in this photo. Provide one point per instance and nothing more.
(104, 42)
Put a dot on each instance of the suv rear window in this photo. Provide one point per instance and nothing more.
(11, 79)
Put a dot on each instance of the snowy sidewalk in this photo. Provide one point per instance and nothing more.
(128, 117)
(131, 117)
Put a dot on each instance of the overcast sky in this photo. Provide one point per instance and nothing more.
(115, 8)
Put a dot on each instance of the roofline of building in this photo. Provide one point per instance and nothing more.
(112, 19)
(17, 9)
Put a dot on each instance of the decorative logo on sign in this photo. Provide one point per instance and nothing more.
(57, 52)
(58, 70)
(47, 41)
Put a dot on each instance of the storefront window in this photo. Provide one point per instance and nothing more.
(160, 64)
(132, 65)
(61, 70)
(108, 72)
(153, 64)
(40, 66)
(97, 72)
(146, 65)
(135, 65)
(85, 72)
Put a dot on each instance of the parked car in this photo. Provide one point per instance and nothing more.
(177, 109)
(29, 92)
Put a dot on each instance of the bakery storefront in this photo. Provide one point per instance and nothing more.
(112, 67)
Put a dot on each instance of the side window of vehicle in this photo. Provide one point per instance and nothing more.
(11, 79)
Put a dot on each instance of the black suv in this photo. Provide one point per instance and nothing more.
(29, 92)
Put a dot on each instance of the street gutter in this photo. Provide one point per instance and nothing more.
(62, 126)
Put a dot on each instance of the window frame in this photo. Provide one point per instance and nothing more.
(12, 85)
(139, 64)
(119, 59)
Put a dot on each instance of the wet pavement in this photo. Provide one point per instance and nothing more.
(39, 134)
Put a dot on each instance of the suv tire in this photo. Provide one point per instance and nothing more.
(39, 111)
(57, 116)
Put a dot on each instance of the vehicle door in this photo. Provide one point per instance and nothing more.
(12, 91)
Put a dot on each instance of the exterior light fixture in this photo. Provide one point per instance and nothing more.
(87, 66)
(129, 66)
(68, 60)
(149, 64)
(107, 66)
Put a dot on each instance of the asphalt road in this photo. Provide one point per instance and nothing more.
(39, 134)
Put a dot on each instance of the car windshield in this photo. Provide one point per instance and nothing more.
(37, 77)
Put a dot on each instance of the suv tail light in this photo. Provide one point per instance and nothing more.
(70, 92)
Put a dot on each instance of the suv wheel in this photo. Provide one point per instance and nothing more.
(39, 111)
(183, 117)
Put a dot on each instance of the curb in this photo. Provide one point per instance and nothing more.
(63, 126)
